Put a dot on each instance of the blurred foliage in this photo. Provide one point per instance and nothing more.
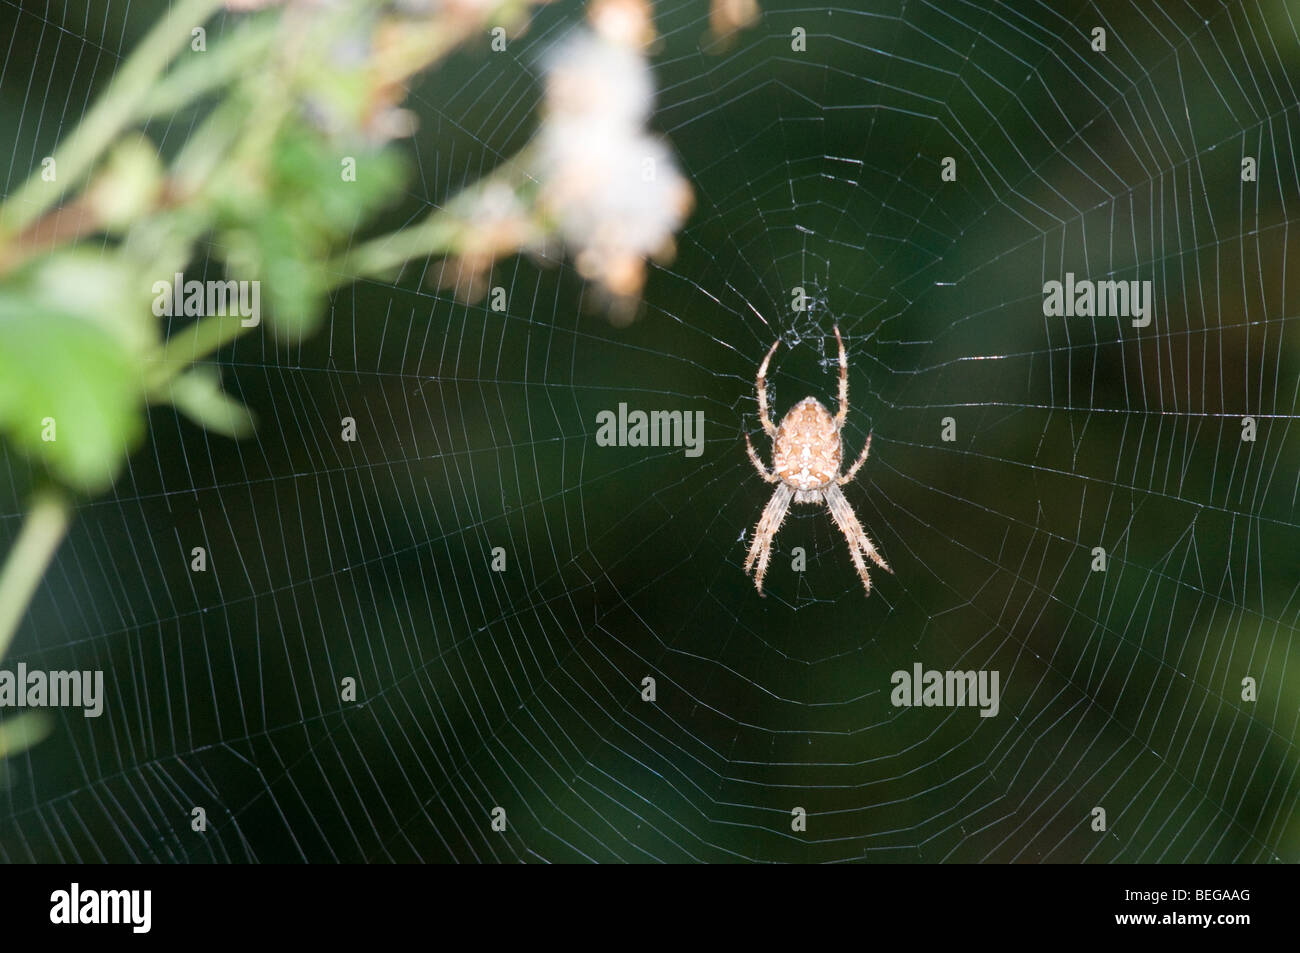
(285, 226)
(290, 157)
(259, 184)
(70, 366)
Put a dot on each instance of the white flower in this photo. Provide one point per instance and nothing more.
(597, 83)
(612, 189)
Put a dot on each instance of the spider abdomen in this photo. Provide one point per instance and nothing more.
(807, 450)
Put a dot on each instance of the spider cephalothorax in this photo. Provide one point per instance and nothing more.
(806, 454)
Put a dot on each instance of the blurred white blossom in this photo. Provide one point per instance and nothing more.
(623, 21)
(612, 189)
(598, 84)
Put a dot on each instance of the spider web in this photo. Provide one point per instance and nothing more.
(522, 689)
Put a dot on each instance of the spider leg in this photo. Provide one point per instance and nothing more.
(768, 524)
(844, 382)
(768, 426)
(857, 465)
(758, 464)
(859, 541)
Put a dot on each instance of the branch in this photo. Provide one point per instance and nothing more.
(114, 110)
(43, 530)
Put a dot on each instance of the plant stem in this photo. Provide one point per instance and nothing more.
(197, 341)
(43, 530)
(196, 77)
(436, 235)
(208, 335)
(114, 110)
(442, 232)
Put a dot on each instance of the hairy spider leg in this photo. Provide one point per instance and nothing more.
(767, 475)
(768, 524)
(853, 470)
(844, 382)
(858, 540)
(768, 426)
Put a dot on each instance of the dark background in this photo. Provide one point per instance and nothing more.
(821, 169)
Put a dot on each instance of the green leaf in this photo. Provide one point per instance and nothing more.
(311, 169)
(284, 230)
(292, 271)
(21, 732)
(129, 185)
(198, 395)
(70, 379)
(98, 288)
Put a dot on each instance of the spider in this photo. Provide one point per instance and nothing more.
(806, 452)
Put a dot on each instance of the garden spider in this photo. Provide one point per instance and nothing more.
(806, 453)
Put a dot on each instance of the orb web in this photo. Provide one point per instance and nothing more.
(817, 173)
